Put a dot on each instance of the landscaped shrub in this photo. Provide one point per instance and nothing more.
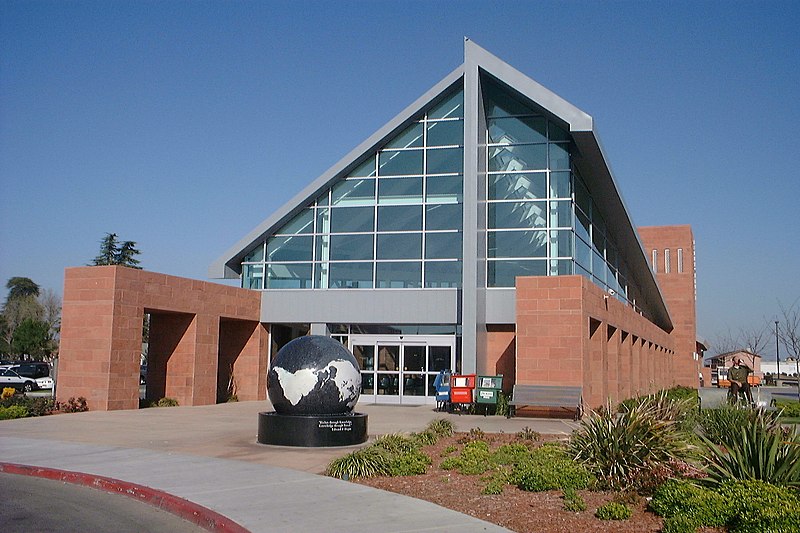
(722, 425)
(761, 451)
(366, 462)
(167, 402)
(72, 405)
(396, 443)
(441, 427)
(573, 501)
(510, 454)
(617, 447)
(528, 434)
(550, 468)
(409, 463)
(501, 409)
(789, 409)
(757, 507)
(679, 524)
(425, 438)
(34, 406)
(613, 511)
(474, 459)
(14, 411)
(697, 505)
(8, 392)
(495, 483)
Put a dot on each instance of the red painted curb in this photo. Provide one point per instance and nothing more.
(190, 511)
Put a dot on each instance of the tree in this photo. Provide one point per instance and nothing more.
(32, 337)
(112, 252)
(789, 329)
(18, 310)
(19, 287)
(51, 312)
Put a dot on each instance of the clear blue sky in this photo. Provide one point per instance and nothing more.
(182, 125)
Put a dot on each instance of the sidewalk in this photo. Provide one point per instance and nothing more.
(209, 455)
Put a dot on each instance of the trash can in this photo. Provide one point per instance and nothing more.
(462, 388)
(488, 390)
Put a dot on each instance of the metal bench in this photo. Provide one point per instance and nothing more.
(547, 396)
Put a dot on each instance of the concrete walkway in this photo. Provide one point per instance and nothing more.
(209, 456)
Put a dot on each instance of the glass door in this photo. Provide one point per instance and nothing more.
(401, 369)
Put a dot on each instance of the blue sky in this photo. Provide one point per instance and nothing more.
(182, 125)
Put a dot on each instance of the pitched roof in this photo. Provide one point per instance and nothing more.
(589, 159)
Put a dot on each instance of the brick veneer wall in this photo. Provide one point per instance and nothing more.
(101, 337)
(500, 354)
(570, 332)
(678, 289)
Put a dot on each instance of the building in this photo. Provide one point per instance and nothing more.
(720, 363)
(479, 230)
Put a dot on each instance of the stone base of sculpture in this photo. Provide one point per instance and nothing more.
(312, 431)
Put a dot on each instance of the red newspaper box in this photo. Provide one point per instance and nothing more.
(462, 388)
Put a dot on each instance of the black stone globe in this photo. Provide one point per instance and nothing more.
(314, 375)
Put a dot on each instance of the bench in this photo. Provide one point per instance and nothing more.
(555, 396)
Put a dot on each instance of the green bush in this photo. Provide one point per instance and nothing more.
(761, 451)
(789, 408)
(441, 427)
(509, 454)
(550, 468)
(409, 463)
(396, 443)
(167, 402)
(367, 462)
(528, 434)
(502, 404)
(723, 424)
(616, 447)
(679, 524)
(13, 411)
(34, 406)
(474, 459)
(495, 483)
(425, 438)
(757, 506)
(613, 511)
(573, 501)
(700, 505)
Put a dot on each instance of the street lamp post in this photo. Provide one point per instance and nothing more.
(777, 353)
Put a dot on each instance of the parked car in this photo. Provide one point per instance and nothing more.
(9, 378)
(45, 383)
(32, 369)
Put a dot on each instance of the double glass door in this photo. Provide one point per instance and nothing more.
(401, 369)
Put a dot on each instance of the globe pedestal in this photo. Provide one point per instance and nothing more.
(346, 429)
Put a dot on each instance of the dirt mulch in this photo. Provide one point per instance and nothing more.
(514, 509)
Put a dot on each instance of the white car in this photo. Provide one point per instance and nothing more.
(45, 383)
(9, 378)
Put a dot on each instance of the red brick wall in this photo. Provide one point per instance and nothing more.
(101, 337)
(570, 332)
(679, 292)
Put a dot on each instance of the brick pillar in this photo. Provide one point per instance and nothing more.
(612, 365)
(625, 373)
(595, 380)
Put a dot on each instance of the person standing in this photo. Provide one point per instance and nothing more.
(738, 376)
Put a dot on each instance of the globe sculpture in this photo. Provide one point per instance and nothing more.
(314, 375)
(313, 383)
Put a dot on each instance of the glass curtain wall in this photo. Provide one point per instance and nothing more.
(541, 219)
(393, 222)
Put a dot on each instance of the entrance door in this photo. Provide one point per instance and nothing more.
(401, 370)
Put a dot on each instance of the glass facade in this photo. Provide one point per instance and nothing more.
(393, 222)
(396, 220)
(541, 219)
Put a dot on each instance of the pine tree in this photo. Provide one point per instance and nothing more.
(112, 252)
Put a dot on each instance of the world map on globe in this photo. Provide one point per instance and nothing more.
(300, 384)
(314, 375)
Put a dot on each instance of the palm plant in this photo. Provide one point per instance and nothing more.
(759, 450)
(616, 447)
